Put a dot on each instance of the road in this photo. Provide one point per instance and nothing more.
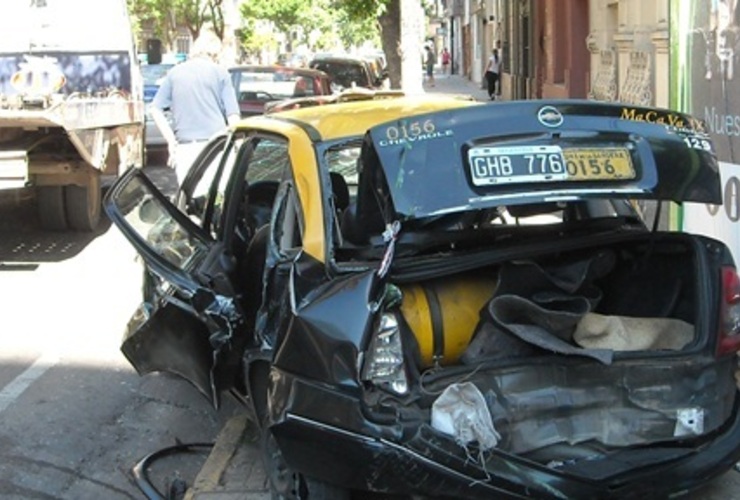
(74, 416)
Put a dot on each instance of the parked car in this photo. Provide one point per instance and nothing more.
(432, 296)
(257, 86)
(153, 75)
(348, 71)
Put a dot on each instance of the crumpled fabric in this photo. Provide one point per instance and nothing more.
(538, 307)
(547, 326)
(461, 411)
(596, 331)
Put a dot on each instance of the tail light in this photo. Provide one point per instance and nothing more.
(729, 333)
(384, 364)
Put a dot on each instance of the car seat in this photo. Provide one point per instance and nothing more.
(340, 191)
(252, 274)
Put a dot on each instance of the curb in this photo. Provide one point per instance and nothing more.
(208, 480)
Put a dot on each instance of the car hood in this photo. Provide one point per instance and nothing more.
(467, 158)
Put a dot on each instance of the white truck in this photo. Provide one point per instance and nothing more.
(71, 104)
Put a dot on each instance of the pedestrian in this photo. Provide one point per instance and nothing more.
(492, 74)
(202, 102)
(445, 60)
(429, 62)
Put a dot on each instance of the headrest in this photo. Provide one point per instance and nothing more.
(340, 190)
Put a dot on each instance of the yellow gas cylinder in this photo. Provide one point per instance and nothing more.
(444, 313)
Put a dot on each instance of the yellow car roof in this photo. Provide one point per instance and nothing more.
(347, 119)
(334, 120)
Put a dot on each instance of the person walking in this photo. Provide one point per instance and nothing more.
(446, 60)
(429, 62)
(201, 99)
(492, 74)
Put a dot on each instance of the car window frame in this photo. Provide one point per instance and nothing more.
(181, 278)
(218, 148)
(238, 182)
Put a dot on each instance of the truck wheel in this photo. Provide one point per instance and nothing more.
(50, 201)
(84, 204)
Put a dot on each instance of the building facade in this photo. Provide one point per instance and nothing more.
(628, 43)
(599, 49)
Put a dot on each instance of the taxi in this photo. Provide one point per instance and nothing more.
(431, 296)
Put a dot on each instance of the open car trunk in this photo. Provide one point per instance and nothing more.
(576, 355)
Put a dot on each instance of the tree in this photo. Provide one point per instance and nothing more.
(164, 17)
(284, 14)
(155, 14)
(193, 14)
(388, 15)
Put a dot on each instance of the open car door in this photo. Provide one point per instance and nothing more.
(189, 318)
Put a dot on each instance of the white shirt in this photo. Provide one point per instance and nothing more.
(493, 64)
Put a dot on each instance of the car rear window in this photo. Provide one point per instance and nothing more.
(344, 74)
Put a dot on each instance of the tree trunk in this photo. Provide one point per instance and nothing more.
(390, 36)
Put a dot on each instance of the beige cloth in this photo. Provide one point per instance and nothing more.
(622, 333)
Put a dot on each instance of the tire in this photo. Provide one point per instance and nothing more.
(286, 484)
(319, 490)
(84, 204)
(50, 201)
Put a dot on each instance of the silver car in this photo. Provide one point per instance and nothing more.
(153, 75)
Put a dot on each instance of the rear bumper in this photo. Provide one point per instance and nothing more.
(334, 442)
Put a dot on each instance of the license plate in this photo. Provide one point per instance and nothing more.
(598, 164)
(510, 164)
(521, 164)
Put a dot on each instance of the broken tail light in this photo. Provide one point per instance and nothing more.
(384, 364)
(729, 334)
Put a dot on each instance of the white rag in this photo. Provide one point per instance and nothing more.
(461, 411)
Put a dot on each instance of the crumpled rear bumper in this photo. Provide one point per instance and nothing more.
(336, 444)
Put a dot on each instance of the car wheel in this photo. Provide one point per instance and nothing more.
(286, 484)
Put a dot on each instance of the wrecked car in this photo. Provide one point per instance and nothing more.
(444, 298)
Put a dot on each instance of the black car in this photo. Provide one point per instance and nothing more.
(443, 298)
(348, 71)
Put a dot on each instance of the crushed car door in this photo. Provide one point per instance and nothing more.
(187, 324)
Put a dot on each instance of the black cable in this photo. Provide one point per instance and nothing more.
(141, 477)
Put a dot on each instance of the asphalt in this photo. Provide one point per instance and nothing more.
(233, 470)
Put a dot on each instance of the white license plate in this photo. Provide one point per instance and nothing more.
(516, 164)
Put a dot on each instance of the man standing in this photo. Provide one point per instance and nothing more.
(202, 100)
(429, 61)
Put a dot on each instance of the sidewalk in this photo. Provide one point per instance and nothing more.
(456, 84)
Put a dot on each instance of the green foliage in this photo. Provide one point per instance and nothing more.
(359, 10)
(322, 24)
(284, 14)
(164, 16)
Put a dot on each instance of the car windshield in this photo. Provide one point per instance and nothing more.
(265, 85)
(153, 73)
